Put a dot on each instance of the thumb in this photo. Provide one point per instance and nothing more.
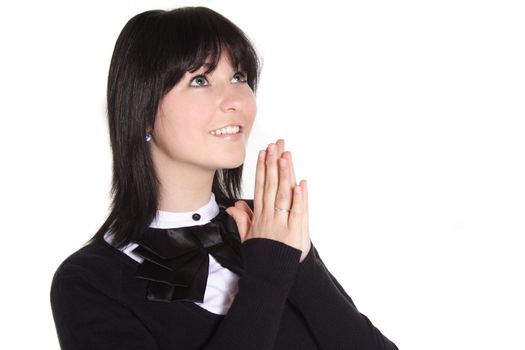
(241, 219)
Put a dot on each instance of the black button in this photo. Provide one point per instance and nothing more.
(196, 217)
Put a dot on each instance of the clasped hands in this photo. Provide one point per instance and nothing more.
(275, 188)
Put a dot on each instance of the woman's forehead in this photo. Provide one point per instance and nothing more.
(210, 64)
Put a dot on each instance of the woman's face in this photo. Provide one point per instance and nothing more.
(197, 105)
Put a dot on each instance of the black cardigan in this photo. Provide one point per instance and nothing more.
(98, 304)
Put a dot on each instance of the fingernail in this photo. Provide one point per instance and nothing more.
(271, 148)
(261, 155)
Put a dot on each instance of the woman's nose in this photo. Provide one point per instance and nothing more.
(231, 98)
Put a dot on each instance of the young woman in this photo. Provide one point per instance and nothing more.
(181, 262)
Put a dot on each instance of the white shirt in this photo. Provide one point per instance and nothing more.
(222, 284)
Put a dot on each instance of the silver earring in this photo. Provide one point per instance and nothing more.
(148, 137)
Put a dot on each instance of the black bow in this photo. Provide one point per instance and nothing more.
(176, 260)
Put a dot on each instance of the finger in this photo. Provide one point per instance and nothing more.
(241, 219)
(259, 183)
(242, 205)
(307, 241)
(284, 192)
(280, 148)
(288, 156)
(305, 195)
(305, 205)
(291, 180)
(296, 212)
(271, 181)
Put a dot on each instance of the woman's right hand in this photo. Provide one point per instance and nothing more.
(275, 187)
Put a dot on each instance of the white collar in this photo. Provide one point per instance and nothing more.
(169, 219)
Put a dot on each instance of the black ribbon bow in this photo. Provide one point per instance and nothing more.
(176, 260)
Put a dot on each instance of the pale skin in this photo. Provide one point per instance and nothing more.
(186, 156)
(275, 186)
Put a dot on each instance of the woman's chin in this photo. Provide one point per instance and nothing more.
(231, 163)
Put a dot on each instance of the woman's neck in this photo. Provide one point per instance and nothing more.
(184, 188)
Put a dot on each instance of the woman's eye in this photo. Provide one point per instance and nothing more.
(199, 81)
(240, 77)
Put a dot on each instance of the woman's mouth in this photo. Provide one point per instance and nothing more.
(230, 132)
(230, 129)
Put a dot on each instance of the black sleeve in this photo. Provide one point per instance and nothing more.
(88, 318)
(330, 312)
(253, 320)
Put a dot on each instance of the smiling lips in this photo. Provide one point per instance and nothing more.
(231, 133)
(228, 130)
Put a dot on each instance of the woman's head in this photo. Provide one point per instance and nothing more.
(183, 139)
(152, 81)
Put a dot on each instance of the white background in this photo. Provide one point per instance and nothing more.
(406, 118)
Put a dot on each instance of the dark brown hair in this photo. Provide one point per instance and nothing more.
(152, 53)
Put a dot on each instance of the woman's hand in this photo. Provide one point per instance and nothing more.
(275, 187)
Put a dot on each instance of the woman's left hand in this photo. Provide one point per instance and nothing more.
(243, 214)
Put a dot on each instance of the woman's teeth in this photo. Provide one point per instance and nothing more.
(227, 130)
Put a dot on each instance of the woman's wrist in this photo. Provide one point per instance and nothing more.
(270, 260)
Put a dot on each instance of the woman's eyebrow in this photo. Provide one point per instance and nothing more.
(206, 66)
